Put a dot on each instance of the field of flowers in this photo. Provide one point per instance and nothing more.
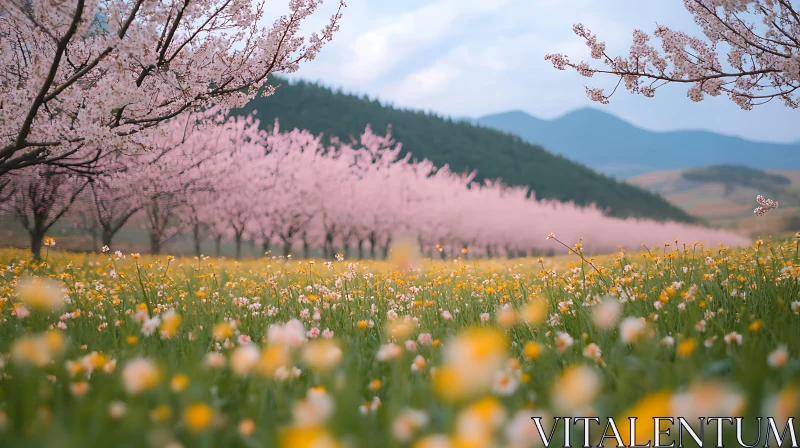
(125, 350)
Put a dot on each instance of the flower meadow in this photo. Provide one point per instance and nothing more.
(127, 350)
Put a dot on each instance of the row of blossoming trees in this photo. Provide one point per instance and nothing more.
(215, 176)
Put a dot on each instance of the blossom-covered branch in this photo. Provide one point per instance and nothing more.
(80, 79)
(762, 38)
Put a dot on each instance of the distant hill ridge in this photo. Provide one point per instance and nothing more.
(618, 148)
(460, 144)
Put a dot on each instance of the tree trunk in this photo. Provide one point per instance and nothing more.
(386, 248)
(238, 239)
(287, 248)
(155, 244)
(106, 236)
(218, 245)
(37, 241)
(196, 235)
(306, 250)
(327, 248)
(360, 249)
(345, 247)
(372, 243)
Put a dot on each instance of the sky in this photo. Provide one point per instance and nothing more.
(468, 58)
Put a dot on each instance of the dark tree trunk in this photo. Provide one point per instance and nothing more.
(218, 245)
(488, 251)
(287, 248)
(196, 236)
(360, 249)
(345, 247)
(155, 244)
(372, 244)
(106, 236)
(386, 248)
(238, 239)
(327, 248)
(37, 241)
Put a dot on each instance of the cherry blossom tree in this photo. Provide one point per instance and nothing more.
(114, 199)
(179, 170)
(41, 196)
(80, 79)
(762, 39)
(295, 156)
(236, 176)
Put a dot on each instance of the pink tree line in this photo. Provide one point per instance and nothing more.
(218, 177)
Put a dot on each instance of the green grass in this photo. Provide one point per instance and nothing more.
(39, 405)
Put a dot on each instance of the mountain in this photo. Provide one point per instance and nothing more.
(461, 144)
(615, 147)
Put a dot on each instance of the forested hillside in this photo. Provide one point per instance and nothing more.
(462, 145)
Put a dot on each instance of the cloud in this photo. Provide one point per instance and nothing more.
(392, 39)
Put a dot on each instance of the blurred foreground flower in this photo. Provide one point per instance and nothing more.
(631, 329)
(400, 328)
(306, 437)
(38, 350)
(479, 421)
(407, 423)
(707, 398)
(606, 314)
(783, 405)
(139, 375)
(198, 416)
(314, 410)
(322, 355)
(170, 321)
(273, 358)
(292, 334)
(656, 404)
(403, 254)
(575, 389)
(535, 311)
(471, 360)
(244, 358)
(40, 293)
